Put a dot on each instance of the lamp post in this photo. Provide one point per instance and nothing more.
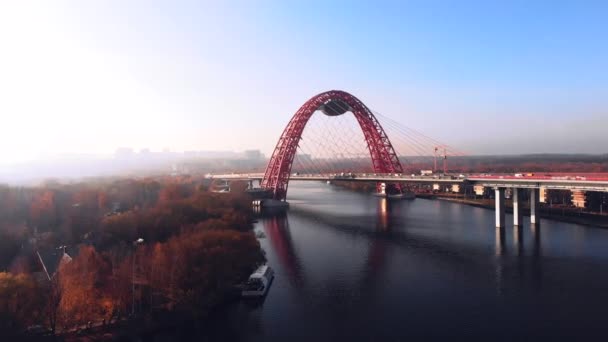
(135, 244)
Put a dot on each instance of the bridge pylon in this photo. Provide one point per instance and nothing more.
(331, 103)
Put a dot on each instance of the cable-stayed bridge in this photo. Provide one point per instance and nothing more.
(322, 143)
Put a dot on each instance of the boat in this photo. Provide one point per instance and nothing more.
(259, 282)
(270, 203)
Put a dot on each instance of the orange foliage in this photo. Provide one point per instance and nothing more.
(194, 270)
(84, 283)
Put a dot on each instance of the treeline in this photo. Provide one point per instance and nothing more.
(183, 248)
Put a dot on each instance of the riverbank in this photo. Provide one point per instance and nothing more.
(561, 214)
(556, 214)
(157, 325)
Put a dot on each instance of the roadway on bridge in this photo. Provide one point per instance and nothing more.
(583, 182)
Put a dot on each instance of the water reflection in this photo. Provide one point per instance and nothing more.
(350, 268)
(501, 247)
(384, 215)
(276, 227)
(377, 253)
(518, 239)
(535, 231)
(523, 262)
(500, 242)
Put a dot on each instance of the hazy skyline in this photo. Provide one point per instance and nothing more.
(89, 77)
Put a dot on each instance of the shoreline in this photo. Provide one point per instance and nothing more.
(559, 214)
(586, 219)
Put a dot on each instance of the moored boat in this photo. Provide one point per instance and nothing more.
(259, 282)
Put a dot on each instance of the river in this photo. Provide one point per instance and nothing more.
(350, 266)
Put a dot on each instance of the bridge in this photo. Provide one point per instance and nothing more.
(384, 162)
(581, 183)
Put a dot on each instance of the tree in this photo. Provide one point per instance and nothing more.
(195, 270)
(54, 293)
(9, 248)
(42, 210)
(85, 286)
(21, 303)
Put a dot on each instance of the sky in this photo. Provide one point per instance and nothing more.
(489, 77)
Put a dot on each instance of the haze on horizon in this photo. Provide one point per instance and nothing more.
(490, 78)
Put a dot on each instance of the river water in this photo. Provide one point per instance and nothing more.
(350, 266)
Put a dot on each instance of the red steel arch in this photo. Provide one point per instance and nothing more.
(333, 102)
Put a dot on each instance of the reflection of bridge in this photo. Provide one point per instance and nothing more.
(385, 237)
(277, 229)
(386, 166)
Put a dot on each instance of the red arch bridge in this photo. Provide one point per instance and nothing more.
(378, 160)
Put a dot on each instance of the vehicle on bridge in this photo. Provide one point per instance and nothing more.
(345, 175)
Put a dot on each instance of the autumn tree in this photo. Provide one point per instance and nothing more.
(42, 210)
(195, 270)
(171, 192)
(84, 283)
(122, 227)
(21, 303)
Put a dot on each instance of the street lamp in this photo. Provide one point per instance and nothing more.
(136, 243)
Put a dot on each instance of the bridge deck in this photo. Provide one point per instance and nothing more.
(585, 183)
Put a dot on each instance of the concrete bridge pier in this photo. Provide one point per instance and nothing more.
(500, 207)
(518, 215)
(535, 206)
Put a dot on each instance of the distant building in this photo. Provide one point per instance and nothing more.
(253, 154)
(578, 198)
(543, 195)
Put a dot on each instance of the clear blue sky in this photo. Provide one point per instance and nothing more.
(485, 76)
